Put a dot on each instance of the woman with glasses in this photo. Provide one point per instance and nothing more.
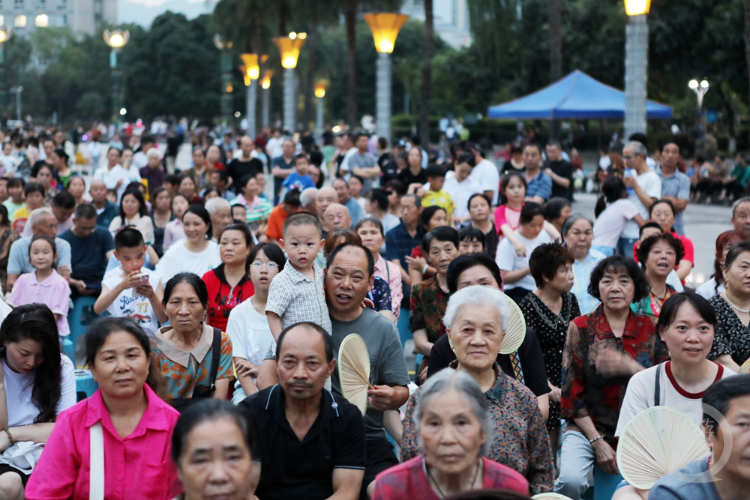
(247, 326)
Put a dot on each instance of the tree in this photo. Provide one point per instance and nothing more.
(555, 40)
(350, 16)
(424, 110)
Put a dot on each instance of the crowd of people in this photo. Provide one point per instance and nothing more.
(226, 290)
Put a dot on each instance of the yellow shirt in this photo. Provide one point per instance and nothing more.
(19, 219)
(441, 199)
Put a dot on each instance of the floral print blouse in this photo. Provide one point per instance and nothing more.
(428, 303)
(588, 393)
(732, 337)
(520, 442)
(651, 304)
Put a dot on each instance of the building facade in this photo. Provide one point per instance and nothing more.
(451, 19)
(82, 16)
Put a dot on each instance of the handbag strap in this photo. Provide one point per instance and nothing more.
(215, 358)
(657, 386)
(96, 480)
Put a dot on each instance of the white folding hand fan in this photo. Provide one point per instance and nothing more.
(354, 371)
(515, 330)
(745, 368)
(550, 496)
(659, 440)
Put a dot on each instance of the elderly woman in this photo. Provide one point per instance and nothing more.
(662, 212)
(371, 231)
(453, 424)
(724, 243)
(549, 310)
(578, 233)
(216, 432)
(603, 350)
(133, 424)
(475, 319)
(732, 343)
(658, 254)
(194, 359)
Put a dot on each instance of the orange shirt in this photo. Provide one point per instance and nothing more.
(276, 223)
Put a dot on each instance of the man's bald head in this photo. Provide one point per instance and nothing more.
(326, 197)
(98, 192)
(337, 217)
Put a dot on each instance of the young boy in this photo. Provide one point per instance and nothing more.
(239, 213)
(131, 290)
(172, 183)
(471, 240)
(296, 293)
(435, 195)
(15, 196)
(299, 179)
(34, 193)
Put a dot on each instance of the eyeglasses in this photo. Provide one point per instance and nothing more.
(267, 265)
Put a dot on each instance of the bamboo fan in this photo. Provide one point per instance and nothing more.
(745, 368)
(550, 496)
(515, 330)
(658, 441)
(354, 371)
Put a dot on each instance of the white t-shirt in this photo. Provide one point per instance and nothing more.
(18, 388)
(639, 395)
(461, 192)
(486, 175)
(178, 259)
(251, 337)
(651, 184)
(610, 224)
(127, 176)
(138, 308)
(509, 261)
(5, 310)
(708, 289)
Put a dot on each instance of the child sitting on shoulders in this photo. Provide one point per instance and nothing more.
(132, 290)
(44, 285)
(296, 293)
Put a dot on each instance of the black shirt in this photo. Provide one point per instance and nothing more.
(530, 353)
(389, 172)
(239, 170)
(303, 469)
(408, 178)
(563, 169)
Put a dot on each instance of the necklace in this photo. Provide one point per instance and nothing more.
(734, 306)
(437, 485)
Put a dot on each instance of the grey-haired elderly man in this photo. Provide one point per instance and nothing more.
(644, 188)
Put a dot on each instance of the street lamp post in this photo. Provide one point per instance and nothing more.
(384, 29)
(289, 47)
(252, 73)
(265, 84)
(226, 77)
(116, 39)
(636, 65)
(700, 90)
(320, 93)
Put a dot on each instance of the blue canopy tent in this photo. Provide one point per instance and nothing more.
(577, 96)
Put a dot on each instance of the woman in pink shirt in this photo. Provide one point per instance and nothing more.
(370, 230)
(136, 426)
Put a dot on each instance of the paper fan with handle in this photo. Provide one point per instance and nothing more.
(515, 330)
(658, 441)
(550, 496)
(354, 370)
(745, 368)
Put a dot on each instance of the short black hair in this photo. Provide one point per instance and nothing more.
(719, 397)
(530, 210)
(465, 262)
(370, 220)
(649, 225)
(397, 186)
(646, 245)
(638, 137)
(172, 179)
(505, 181)
(223, 175)
(16, 182)
(612, 189)
(470, 233)
(667, 143)
(291, 198)
(49, 240)
(301, 157)
(554, 207)
(271, 250)
(379, 197)
(673, 303)
(86, 211)
(302, 219)
(316, 158)
(434, 171)
(442, 233)
(128, 237)
(546, 259)
(740, 248)
(339, 248)
(533, 145)
(327, 342)
(478, 195)
(468, 158)
(619, 263)
(64, 200)
(39, 166)
(428, 213)
(661, 202)
(241, 227)
(32, 187)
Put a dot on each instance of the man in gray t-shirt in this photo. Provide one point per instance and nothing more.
(361, 163)
(349, 277)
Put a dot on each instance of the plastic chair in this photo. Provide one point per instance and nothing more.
(79, 318)
(605, 484)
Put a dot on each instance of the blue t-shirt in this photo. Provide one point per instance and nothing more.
(89, 255)
(695, 483)
(298, 181)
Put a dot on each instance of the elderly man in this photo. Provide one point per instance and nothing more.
(337, 217)
(43, 222)
(308, 198)
(326, 196)
(349, 276)
(244, 166)
(645, 188)
(741, 216)
(311, 443)
(282, 167)
(105, 209)
(91, 248)
(221, 216)
(345, 198)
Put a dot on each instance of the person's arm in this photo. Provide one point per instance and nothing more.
(536, 199)
(518, 247)
(385, 397)
(644, 198)
(515, 276)
(557, 179)
(416, 265)
(245, 369)
(347, 483)
(409, 442)
(727, 361)
(268, 374)
(551, 230)
(605, 455)
(274, 324)
(684, 268)
(154, 297)
(679, 203)
(543, 403)
(108, 296)
(421, 344)
(222, 389)
(349, 461)
(367, 173)
(639, 220)
(56, 472)
(11, 280)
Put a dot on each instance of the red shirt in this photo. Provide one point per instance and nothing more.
(686, 244)
(408, 481)
(222, 298)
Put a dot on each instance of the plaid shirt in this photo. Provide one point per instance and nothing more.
(296, 298)
(587, 393)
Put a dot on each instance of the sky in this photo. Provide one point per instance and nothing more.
(143, 12)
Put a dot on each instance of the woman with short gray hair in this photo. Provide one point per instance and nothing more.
(578, 235)
(476, 319)
(453, 427)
